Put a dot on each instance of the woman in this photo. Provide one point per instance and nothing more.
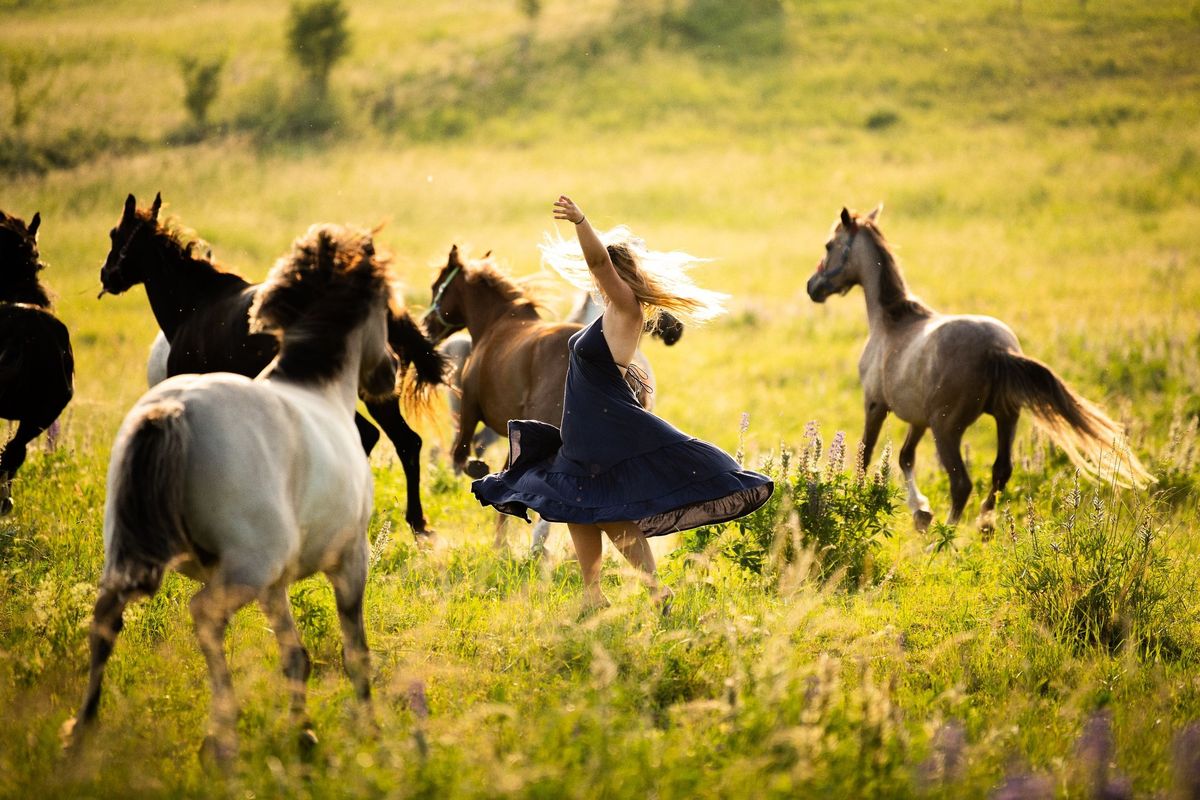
(614, 467)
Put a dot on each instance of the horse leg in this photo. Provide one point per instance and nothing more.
(367, 432)
(917, 503)
(1006, 431)
(211, 608)
(948, 439)
(408, 448)
(107, 622)
(541, 532)
(297, 665)
(13, 456)
(468, 421)
(349, 582)
(876, 413)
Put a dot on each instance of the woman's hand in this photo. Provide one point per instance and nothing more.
(565, 208)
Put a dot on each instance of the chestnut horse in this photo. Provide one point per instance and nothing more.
(941, 372)
(37, 366)
(203, 310)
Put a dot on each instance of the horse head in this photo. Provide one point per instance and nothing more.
(332, 287)
(122, 268)
(20, 260)
(842, 267)
(447, 312)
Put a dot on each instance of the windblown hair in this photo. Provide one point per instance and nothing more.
(660, 281)
(316, 295)
(20, 263)
(897, 303)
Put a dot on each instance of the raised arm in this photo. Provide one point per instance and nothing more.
(623, 317)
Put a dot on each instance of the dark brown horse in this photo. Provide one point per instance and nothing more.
(203, 312)
(940, 372)
(37, 367)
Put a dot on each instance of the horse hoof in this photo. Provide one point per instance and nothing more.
(6, 506)
(217, 753)
(425, 538)
(922, 519)
(70, 735)
(307, 742)
(476, 469)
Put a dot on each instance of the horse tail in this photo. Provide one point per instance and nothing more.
(424, 366)
(1091, 439)
(148, 533)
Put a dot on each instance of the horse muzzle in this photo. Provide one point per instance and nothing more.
(818, 289)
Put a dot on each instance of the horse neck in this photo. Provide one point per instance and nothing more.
(27, 290)
(178, 284)
(340, 389)
(485, 306)
(887, 295)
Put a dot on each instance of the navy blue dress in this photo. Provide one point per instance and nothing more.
(614, 461)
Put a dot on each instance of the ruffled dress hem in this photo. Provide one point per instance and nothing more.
(672, 488)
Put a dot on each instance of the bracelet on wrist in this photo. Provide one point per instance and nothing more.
(581, 219)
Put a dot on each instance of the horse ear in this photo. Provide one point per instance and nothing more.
(874, 215)
(154, 208)
(848, 221)
(35, 223)
(130, 206)
(453, 256)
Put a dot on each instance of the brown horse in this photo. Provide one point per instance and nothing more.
(941, 372)
(518, 363)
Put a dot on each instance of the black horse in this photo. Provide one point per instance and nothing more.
(37, 367)
(203, 313)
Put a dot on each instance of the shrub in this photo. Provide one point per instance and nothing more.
(319, 38)
(839, 518)
(1096, 574)
(202, 82)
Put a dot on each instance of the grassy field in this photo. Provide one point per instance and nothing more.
(1038, 161)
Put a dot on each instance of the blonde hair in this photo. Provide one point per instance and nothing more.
(660, 281)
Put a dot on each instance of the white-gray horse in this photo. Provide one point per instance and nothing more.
(248, 485)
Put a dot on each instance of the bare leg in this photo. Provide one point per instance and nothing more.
(589, 547)
(295, 660)
(918, 503)
(212, 608)
(106, 624)
(629, 539)
(501, 539)
(1006, 431)
(876, 413)
(949, 442)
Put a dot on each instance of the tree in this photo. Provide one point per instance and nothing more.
(319, 38)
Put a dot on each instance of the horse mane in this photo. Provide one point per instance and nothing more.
(897, 303)
(488, 273)
(19, 273)
(182, 245)
(316, 295)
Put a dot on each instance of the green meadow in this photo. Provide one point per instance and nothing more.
(1038, 162)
